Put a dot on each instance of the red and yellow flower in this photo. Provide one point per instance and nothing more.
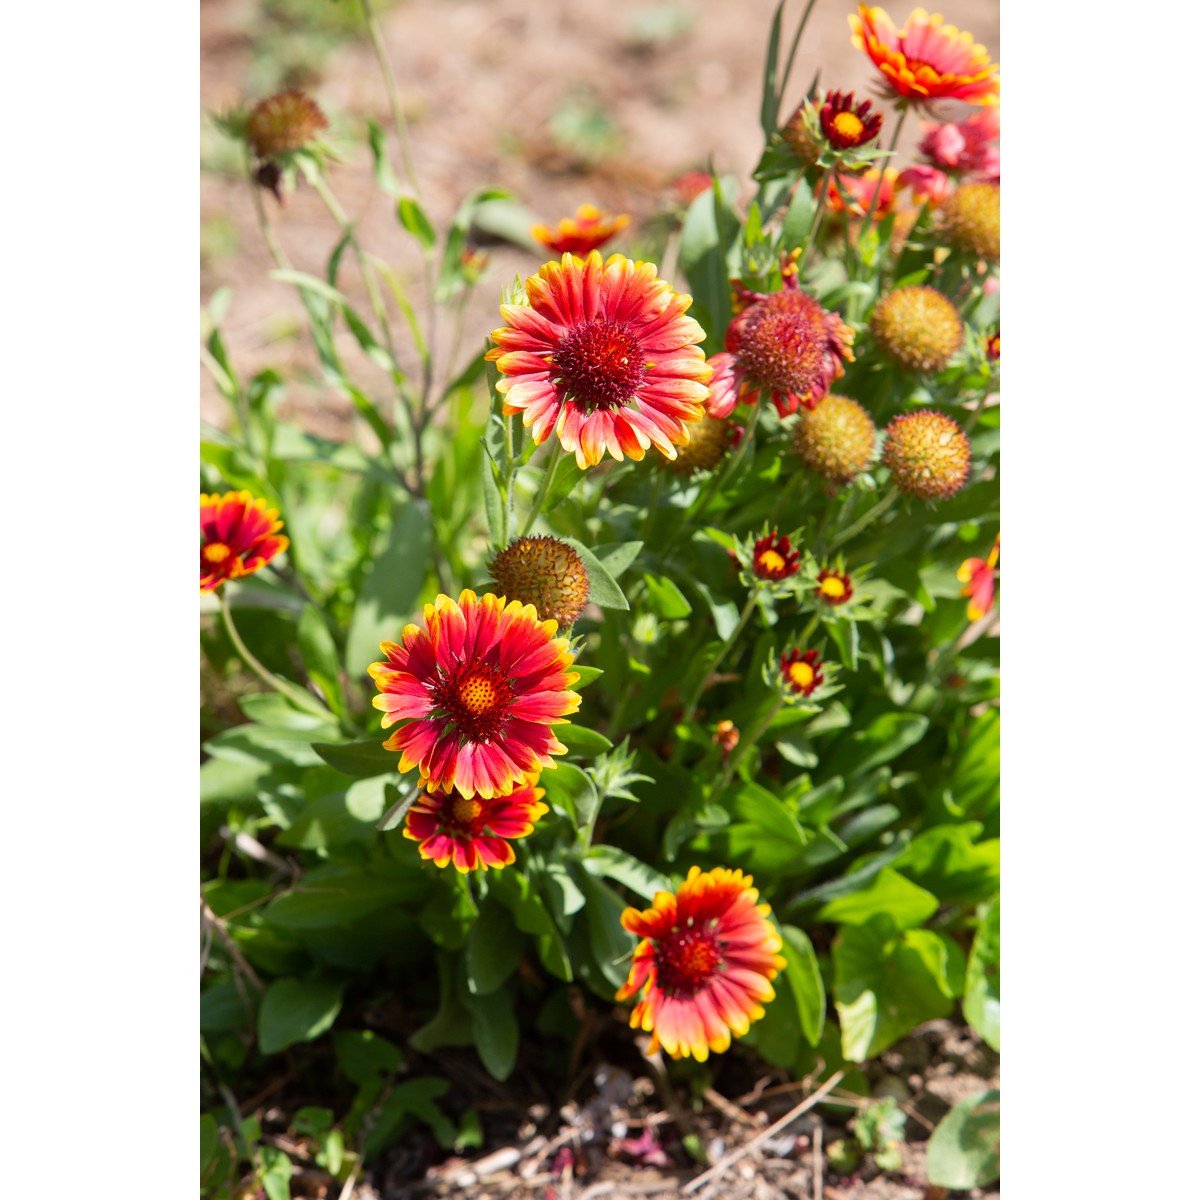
(474, 832)
(834, 587)
(847, 126)
(852, 194)
(706, 959)
(927, 184)
(783, 343)
(586, 231)
(236, 537)
(604, 357)
(927, 59)
(979, 578)
(802, 672)
(477, 689)
(774, 557)
(968, 146)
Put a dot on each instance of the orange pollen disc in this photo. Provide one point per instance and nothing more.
(847, 124)
(687, 959)
(801, 674)
(464, 811)
(770, 560)
(215, 552)
(478, 694)
(600, 363)
(833, 587)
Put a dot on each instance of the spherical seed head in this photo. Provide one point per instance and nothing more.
(798, 134)
(918, 328)
(546, 573)
(928, 454)
(709, 444)
(971, 220)
(836, 440)
(285, 121)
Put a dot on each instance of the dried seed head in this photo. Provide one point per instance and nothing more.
(971, 220)
(918, 328)
(710, 442)
(284, 121)
(928, 455)
(546, 573)
(836, 440)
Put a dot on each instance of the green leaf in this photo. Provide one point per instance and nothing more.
(493, 502)
(886, 985)
(799, 217)
(412, 1098)
(617, 556)
(887, 736)
(338, 895)
(603, 589)
(390, 591)
(412, 216)
(964, 1150)
(226, 781)
(296, 1010)
(579, 741)
(321, 658)
(276, 1173)
(384, 175)
(611, 945)
(266, 743)
(704, 240)
(612, 863)
(366, 1057)
(208, 1139)
(664, 598)
(889, 895)
(572, 790)
(586, 675)
(359, 760)
(804, 977)
(947, 861)
(981, 989)
(493, 949)
(494, 1026)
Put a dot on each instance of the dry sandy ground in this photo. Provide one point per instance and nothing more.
(480, 82)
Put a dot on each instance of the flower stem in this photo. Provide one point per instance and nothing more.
(787, 70)
(389, 79)
(818, 213)
(743, 748)
(870, 515)
(715, 481)
(544, 490)
(297, 695)
(697, 688)
(903, 109)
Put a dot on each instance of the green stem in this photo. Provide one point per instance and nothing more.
(813, 622)
(814, 228)
(870, 515)
(375, 32)
(883, 165)
(544, 490)
(715, 481)
(273, 247)
(743, 748)
(297, 695)
(697, 689)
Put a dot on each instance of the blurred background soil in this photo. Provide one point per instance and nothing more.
(560, 103)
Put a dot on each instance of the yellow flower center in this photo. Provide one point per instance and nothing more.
(478, 694)
(801, 674)
(847, 124)
(833, 588)
(463, 810)
(215, 552)
(771, 560)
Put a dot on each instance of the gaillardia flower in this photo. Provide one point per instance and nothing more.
(852, 193)
(706, 959)
(927, 59)
(927, 184)
(710, 441)
(846, 126)
(918, 328)
(285, 121)
(802, 672)
(774, 557)
(473, 831)
(785, 344)
(586, 231)
(979, 578)
(546, 573)
(927, 453)
(993, 347)
(604, 357)
(726, 735)
(836, 440)
(834, 587)
(236, 537)
(477, 689)
(971, 220)
(968, 146)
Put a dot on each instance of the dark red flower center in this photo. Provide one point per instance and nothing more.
(476, 697)
(462, 815)
(785, 350)
(600, 363)
(686, 959)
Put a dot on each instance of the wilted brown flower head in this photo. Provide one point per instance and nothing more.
(284, 121)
